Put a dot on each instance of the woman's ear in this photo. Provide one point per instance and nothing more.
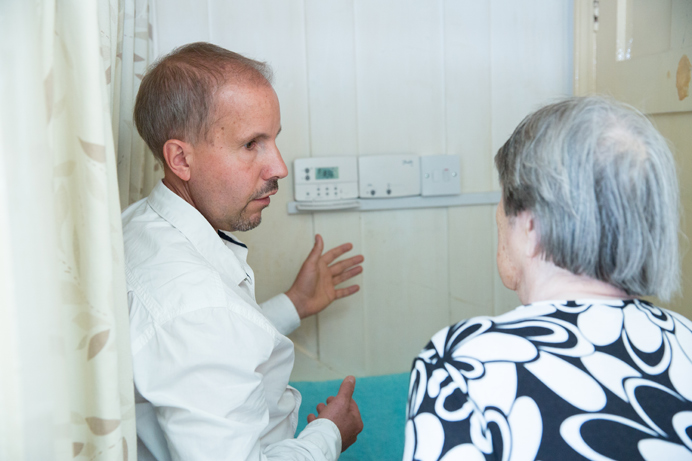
(530, 232)
(178, 157)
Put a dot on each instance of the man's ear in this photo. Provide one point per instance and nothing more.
(178, 157)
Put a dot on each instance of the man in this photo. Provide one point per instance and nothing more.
(211, 366)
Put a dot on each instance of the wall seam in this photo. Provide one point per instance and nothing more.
(209, 20)
(493, 297)
(366, 348)
(310, 152)
(445, 146)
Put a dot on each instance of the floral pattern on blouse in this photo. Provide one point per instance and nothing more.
(555, 380)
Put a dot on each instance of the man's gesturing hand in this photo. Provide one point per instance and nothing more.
(342, 411)
(314, 289)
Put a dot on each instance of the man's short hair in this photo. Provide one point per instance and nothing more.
(177, 94)
(601, 184)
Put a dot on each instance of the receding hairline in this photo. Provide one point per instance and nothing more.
(214, 113)
(222, 69)
(230, 71)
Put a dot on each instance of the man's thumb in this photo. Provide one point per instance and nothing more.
(316, 251)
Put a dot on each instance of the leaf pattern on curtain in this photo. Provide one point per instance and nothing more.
(127, 51)
(75, 343)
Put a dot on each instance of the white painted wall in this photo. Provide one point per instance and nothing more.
(360, 77)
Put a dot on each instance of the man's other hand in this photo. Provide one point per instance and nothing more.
(314, 288)
(342, 411)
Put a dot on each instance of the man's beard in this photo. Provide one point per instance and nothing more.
(242, 223)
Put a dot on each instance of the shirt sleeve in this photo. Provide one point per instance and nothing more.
(319, 434)
(281, 313)
(203, 371)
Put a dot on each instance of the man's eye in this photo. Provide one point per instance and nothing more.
(251, 144)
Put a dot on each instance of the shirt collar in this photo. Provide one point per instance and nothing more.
(190, 222)
(227, 236)
(240, 250)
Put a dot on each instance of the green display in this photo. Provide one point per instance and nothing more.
(327, 173)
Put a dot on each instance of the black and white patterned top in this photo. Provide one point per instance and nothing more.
(555, 380)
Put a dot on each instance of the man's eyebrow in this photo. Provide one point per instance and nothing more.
(261, 135)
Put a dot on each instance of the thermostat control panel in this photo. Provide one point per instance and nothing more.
(341, 179)
(325, 178)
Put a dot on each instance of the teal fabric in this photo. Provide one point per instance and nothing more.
(382, 404)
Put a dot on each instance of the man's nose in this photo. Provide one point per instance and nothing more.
(276, 167)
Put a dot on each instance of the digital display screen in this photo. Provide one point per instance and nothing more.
(327, 173)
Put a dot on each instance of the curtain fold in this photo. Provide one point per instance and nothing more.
(127, 50)
(66, 388)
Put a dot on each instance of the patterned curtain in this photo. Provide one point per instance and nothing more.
(127, 50)
(65, 374)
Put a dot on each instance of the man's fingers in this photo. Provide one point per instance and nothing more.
(352, 272)
(339, 267)
(348, 291)
(334, 253)
(321, 407)
(311, 418)
(329, 399)
(347, 387)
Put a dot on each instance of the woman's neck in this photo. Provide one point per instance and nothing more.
(545, 281)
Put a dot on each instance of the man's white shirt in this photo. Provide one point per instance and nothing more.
(211, 366)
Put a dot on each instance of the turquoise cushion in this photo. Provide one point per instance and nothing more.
(382, 404)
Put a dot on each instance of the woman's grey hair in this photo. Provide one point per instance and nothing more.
(177, 94)
(601, 184)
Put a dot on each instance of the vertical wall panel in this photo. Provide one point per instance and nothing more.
(530, 60)
(531, 65)
(467, 104)
(467, 90)
(400, 94)
(342, 332)
(471, 258)
(399, 64)
(275, 32)
(170, 14)
(330, 45)
(331, 77)
(406, 286)
(462, 310)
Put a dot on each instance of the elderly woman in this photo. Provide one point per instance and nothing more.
(587, 225)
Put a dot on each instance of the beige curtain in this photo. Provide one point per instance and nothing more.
(65, 373)
(127, 51)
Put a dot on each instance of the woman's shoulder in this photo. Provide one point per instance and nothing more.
(571, 321)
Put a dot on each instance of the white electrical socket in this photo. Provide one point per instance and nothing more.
(440, 175)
